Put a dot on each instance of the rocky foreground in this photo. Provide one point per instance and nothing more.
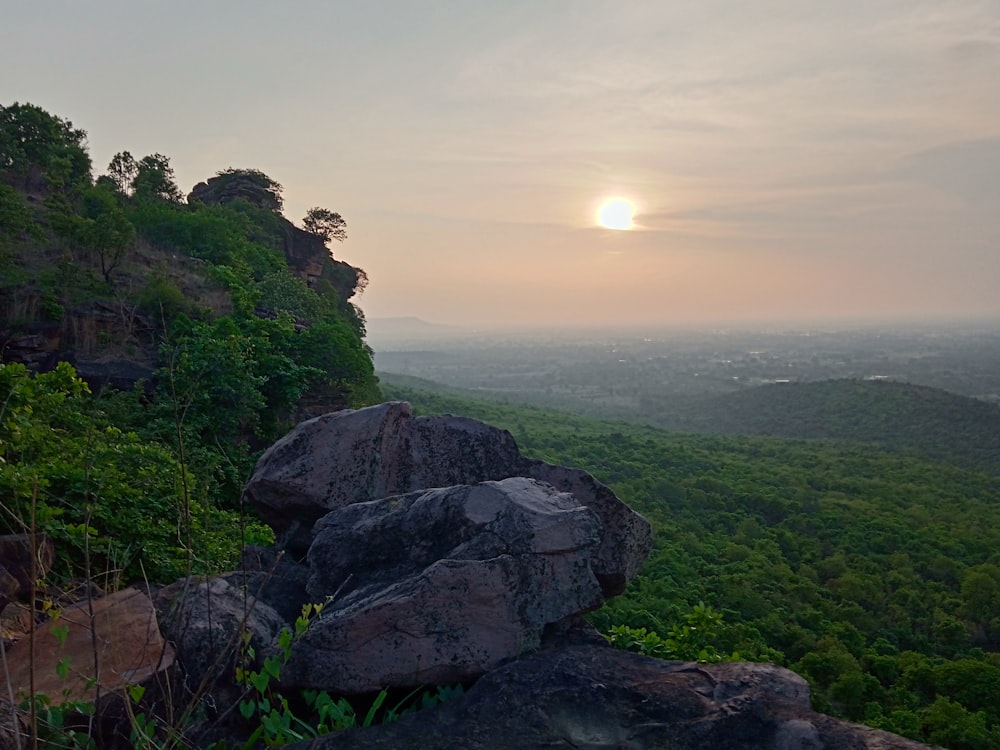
(443, 556)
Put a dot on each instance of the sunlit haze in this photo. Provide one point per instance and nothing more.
(793, 161)
(616, 213)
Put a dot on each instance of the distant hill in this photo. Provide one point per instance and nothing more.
(900, 416)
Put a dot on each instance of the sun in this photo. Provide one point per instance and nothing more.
(616, 213)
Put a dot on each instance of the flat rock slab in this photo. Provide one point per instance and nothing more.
(439, 586)
(599, 698)
(119, 630)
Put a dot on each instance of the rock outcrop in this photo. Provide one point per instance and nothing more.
(599, 698)
(348, 457)
(93, 337)
(439, 586)
(437, 550)
(250, 185)
(306, 253)
(442, 555)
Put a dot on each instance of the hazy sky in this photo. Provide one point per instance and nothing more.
(794, 160)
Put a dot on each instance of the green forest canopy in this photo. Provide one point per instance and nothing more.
(874, 575)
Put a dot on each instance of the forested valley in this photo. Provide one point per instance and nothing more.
(874, 575)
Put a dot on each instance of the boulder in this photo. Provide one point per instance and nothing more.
(206, 618)
(276, 580)
(253, 187)
(355, 456)
(626, 538)
(439, 586)
(119, 631)
(599, 698)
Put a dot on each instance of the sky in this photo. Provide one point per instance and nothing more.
(787, 161)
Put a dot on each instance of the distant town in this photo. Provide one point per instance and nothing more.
(616, 373)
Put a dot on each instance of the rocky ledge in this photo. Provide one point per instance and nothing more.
(586, 697)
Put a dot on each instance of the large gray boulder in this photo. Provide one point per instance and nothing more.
(599, 698)
(439, 586)
(355, 456)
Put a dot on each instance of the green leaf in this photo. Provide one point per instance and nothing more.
(272, 665)
(61, 632)
(376, 705)
(260, 681)
(247, 708)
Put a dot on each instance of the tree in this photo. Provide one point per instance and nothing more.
(122, 170)
(16, 220)
(31, 139)
(104, 229)
(154, 180)
(326, 224)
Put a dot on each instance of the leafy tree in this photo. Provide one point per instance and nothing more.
(123, 170)
(16, 220)
(950, 724)
(154, 180)
(31, 140)
(326, 224)
(94, 487)
(105, 229)
(981, 600)
(282, 291)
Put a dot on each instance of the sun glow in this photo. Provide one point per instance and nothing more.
(616, 213)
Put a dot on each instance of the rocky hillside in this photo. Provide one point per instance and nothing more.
(215, 306)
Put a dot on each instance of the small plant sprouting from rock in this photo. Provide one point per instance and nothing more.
(277, 723)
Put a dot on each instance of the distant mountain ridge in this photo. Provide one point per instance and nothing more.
(899, 416)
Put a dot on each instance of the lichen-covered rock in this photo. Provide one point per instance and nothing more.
(355, 456)
(206, 618)
(439, 586)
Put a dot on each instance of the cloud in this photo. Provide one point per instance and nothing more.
(970, 169)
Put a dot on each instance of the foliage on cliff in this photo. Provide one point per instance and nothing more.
(874, 575)
(219, 323)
